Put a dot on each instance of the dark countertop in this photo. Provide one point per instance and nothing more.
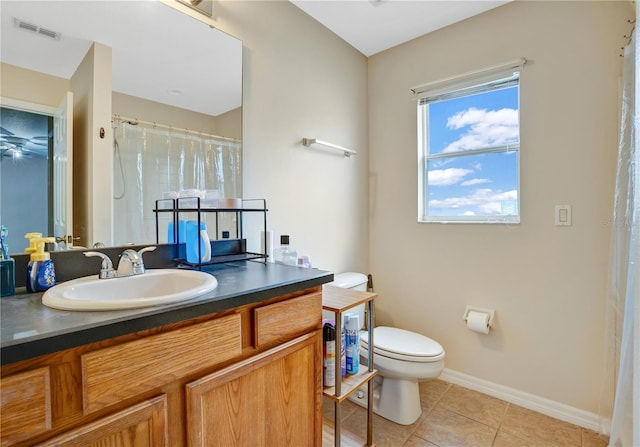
(30, 329)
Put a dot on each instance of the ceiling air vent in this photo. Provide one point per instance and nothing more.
(23, 24)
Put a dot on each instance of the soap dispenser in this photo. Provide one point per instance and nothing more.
(41, 274)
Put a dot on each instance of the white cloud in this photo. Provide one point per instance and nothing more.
(445, 177)
(485, 128)
(485, 201)
(475, 181)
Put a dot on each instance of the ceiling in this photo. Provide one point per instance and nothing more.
(372, 26)
(158, 53)
(149, 28)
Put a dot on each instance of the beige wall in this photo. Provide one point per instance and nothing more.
(92, 183)
(547, 283)
(228, 124)
(31, 86)
(300, 80)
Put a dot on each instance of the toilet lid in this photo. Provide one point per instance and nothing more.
(391, 340)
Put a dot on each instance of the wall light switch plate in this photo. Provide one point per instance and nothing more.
(563, 215)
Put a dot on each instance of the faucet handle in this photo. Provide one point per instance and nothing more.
(146, 249)
(143, 251)
(106, 268)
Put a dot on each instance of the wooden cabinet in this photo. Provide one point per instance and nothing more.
(251, 375)
(142, 425)
(271, 399)
(25, 401)
(129, 369)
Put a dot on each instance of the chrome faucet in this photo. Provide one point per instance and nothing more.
(106, 269)
(131, 262)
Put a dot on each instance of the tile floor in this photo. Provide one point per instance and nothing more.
(453, 416)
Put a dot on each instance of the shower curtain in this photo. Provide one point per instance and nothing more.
(150, 161)
(622, 369)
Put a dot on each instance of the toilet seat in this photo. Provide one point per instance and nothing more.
(404, 345)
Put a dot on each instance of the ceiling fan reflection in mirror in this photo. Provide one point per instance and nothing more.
(16, 146)
(23, 134)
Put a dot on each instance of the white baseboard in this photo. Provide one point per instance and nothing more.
(542, 405)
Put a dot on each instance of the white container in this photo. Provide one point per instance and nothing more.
(210, 199)
(285, 254)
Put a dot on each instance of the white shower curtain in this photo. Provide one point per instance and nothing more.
(622, 371)
(150, 161)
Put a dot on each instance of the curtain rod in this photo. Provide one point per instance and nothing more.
(515, 63)
(136, 121)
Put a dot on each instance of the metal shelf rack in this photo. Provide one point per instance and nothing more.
(338, 300)
(234, 249)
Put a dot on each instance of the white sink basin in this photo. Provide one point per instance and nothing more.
(152, 288)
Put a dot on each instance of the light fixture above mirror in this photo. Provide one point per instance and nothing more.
(203, 6)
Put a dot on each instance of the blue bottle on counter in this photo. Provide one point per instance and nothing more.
(7, 277)
(41, 274)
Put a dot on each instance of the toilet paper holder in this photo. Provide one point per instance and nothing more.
(491, 313)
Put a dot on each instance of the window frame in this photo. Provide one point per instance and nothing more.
(455, 87)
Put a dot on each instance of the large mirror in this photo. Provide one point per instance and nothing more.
(152, 62)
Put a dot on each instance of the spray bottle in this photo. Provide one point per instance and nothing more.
(352, 328)
(41, 274)
(329, 354)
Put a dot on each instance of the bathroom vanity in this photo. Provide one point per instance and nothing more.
(241, 365)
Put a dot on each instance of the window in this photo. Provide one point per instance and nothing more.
(469, 148)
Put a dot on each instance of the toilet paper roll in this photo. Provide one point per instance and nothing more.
(478, 322)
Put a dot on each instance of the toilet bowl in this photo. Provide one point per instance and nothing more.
(402, 358)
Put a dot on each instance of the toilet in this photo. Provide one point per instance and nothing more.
(402, 358)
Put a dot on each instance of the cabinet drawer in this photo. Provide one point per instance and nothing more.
(287, 319)
(119, 372)
(25, 405)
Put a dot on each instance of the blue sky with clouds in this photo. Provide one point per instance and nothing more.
(481, 184)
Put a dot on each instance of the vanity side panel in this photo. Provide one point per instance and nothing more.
(123, 371)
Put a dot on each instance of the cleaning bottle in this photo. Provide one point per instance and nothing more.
(329, 354)
(41, 274)
(285, 254)
(343, 345)
(353, 344)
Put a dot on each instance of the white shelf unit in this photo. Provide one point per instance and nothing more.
(339, 300)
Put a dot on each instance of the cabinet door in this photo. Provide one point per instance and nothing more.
(142, 425)
(25, 405)
(271, 399)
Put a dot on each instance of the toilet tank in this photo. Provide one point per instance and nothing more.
(349, 280)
